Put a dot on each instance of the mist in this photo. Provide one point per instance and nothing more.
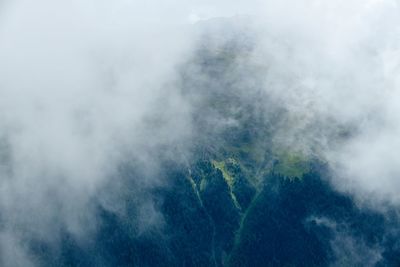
(79, 82)
(87, 86)
(335, 68)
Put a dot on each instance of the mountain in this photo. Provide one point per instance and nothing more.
(235, 196)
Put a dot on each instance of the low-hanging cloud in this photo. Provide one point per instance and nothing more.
(84, 85)
(335, 68)
(79, 83)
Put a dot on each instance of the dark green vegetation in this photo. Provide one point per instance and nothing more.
(213, 216)
(237, 199)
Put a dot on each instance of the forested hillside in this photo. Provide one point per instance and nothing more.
(238, 196)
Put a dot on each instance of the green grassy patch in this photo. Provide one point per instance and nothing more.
(220, 165)
(292, 165)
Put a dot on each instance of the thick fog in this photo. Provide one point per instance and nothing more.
(80, 81)
(336, 68)
(88, 85)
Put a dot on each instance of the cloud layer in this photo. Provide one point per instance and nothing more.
(85, 85)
